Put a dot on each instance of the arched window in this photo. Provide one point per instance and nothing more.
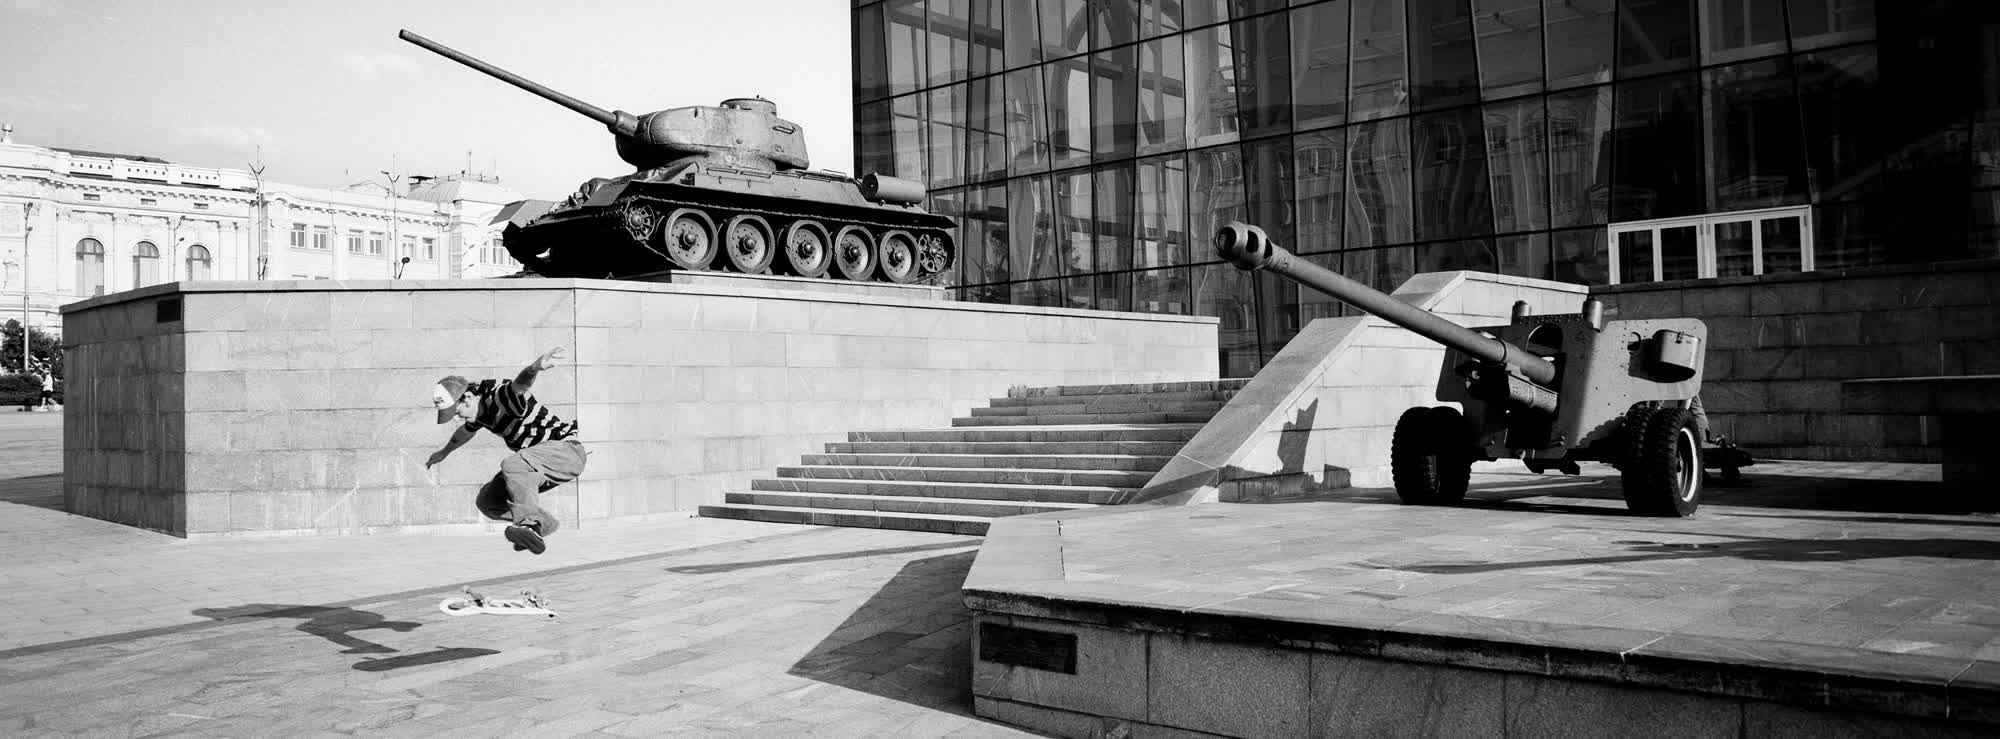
(198, 263)
(89, 268)
(145, 264)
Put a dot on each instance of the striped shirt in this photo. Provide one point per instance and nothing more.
(516, 416)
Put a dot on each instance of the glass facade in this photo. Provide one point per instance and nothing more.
(1091, 148)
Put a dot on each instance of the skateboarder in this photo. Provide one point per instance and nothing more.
(547, 452)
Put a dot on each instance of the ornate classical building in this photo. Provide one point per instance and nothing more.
(78, 224)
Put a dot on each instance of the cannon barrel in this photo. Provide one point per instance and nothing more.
(620, 122)
(1250, 249)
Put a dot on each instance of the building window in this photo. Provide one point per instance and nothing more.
(93, 197)
(90, 267)
(410, 246)
(198, 263)
(354, 242)
(375, 243)
(430, 249)
(298, 236)
(1734, 244)
(149, 201)
(145, 264)
(321, 236)
(201, 206)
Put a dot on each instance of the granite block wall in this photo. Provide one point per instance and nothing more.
(1781, 345)
(299, 408)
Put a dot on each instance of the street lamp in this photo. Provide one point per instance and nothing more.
(395, 216)
(27, 244)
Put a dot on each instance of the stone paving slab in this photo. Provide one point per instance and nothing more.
(1847, 588)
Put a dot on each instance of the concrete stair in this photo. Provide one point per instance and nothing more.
(1036, 450)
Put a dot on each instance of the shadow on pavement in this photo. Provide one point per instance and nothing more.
(911, 641)
(1737, 546)
(40, 491)
(336, 624)
(1601, 495)
(722, 567)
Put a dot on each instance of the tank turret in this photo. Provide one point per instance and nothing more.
(729, 180)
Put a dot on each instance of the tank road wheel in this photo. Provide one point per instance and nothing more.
(897, 252)
(746, 241)
(1663, 477)
(1430, 457)
(933, 254)
(854, 253)
(806, 251)
(688, 239)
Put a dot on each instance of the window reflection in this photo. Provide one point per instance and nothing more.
(1524, 255)
(1656, 150)
(983, 237)
(1378, 187)
(1654, 36)
(951, 204)
(986, 147)
(874, 134)
(871, 62)
(1579, 131)
(907, 51)
(1451, 196)
(1469, 254)
(945, 145)
(1159, 17)
(1033, 253)
(1226, 292)
(1215, 195)
(1741, 29)
(1069, 111)
(949, 40)
(1838, 102)
(1162, 96)
(1027, 120)
(1821, 23)
(1267, 188)
(1508, 38)
(1517, 162)
(1076, 233)
(988, 52)
(1313, 304)
(1442, 68)
(907, 127)
(1376, 67)
(1321, 189)
(1162, 291)
(1114, 93)
(1381, 269)
(1756, 158)
(1065, 27)
(1580, 256)
(1211, 77)
(1579, 36)
(1162, 213)
(1319, 64)
(1113, 227)
(1113, 23)
(1262, 66)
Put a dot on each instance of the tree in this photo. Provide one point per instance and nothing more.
(47, 356)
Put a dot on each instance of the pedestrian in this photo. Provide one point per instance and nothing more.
(547, 451)
(48, 390)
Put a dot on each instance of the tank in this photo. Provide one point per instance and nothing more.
(726, 187)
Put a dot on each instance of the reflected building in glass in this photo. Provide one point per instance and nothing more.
(1091, 148)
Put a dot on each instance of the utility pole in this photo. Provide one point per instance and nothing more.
(27, 245)
(395, 216)
(263, 217)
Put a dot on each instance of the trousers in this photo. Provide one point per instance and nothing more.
(514, 494)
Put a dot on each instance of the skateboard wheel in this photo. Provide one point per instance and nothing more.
(457, 606)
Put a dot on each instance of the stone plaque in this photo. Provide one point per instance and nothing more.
(1054, 651)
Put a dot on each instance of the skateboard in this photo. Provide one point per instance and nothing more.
(529, 604)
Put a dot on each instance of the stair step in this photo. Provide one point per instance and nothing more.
(1144, 462)
(1114, 400)
(1209, 407)
(899, 503)
(1073, 432)
(941, 523)
(1161, 449)
(986, 475)
(1083, 418)
(1140, 387)
(1091, 494)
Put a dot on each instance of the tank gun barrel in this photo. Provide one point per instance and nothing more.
(1250, 249)
(615, 120)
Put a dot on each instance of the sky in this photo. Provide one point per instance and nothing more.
(333, 97)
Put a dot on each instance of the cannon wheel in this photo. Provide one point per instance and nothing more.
(897, 253)
(746, 241)
(806, 251)
(1429, 457)
(688, 239)
(1662, 472)
(854, 254)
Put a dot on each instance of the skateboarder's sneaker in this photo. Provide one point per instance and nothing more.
(526, 537)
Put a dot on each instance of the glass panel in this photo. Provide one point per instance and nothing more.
(906, 45)
(1378, 189)
(1215, 196)
(1654, 36)
(874, 141)
(1114, 219)
(1443, 66)
(871, 55)
(1741, 29)
(951, 204)
(1451, 196)
(1838, 100)
(1382, 269)
(1321, 189)
(1069, 111)
(984, 232)
(1032, 251)
(1263, 75)
(1277, 312)
(1470, 254)
(1579, 156)
(1579, 37)
(1820, 23)
(1114, 91)
(1267, 182)
(1024, 35)
(1783, 249)
(1313, 304)
(1847, 235)
(986, 135)
(1065, 28)
(1077, 292)
(909, 132)
(1376, 68)
(1162, 96)
(1517, 161)
(1162, 291)
(949, 40)
(1733, 249)
(1656, 150)
(1635, 256)
(1508, 36)
(1226, 292)
(1206, 12)
(1581, 256)
(1027, 119)
(1525, 255)
(1162, 213)
(989, 46)
(1045, 293)
(1159, 17)
(945, 148)
(1985, 233)
(1211, 96)
(1075, 232)
(1986, 115)
(1756, 159)
(1319, 64)
(1679, 253)
(1113, 291)
(1113, 23)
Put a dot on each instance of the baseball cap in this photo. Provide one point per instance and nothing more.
(446, 396)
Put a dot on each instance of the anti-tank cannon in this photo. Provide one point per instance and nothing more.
(1552, 390)
(722, 187)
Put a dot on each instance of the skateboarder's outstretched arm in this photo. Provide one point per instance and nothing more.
(458, 439)
(525, 381)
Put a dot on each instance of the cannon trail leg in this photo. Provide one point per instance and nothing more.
(1430, 456)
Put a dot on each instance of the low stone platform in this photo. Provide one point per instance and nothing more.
(1811, 600)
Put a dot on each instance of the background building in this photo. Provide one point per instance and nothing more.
(1092, 147)
(77, 224)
